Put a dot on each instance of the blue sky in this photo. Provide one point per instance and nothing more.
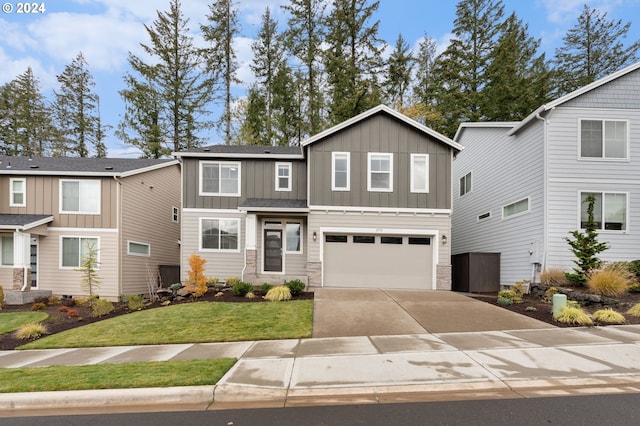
(106, 30)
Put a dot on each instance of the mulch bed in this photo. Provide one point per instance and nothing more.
(59, 321)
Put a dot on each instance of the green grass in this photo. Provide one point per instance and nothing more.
(14, 320)
(114, 376)
(191, 323)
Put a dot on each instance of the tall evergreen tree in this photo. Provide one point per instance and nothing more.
(352, 59)
(304, 38)
(222, 62)
(398, 73)
(176, 84)
(285, 107)
(76, 109)
(422, 108)
(592, 49)
(252, 131)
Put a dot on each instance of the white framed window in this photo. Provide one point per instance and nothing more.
(517, 208)
(175, 214)
(79, 196)
(294, 237)
(219, 234)
(604, 139)
(465, 184)
(138, 249)
(74, 250)
(7, 250)
(283, 176)
(610, 210)
(18, 192)
(419, 173)
(340, 171)
(220, 178)
(380, 173)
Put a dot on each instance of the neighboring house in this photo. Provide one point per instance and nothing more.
(53, 209)
(366, 203)
(522, 185)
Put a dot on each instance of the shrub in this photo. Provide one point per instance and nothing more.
(69, 301)
(278, 294)
(42, 299)
(38, 306)
(634, 310)
(295, 286)
(64, 309)
(609, 316)
(212, 282)
(72, 313)
(634, 288)
(1, 297)
(231, 281)
(135, 302)
(264, 288)
(507, 294)
(196, 282)
(519, 290)
(531, 309)
(31, 331)
(634, 267)
(612, 280)
(554, 277)
(88, 267)
(571, 315)
(54, 300)
(250, 295)
(241, 288)
(219, 294)
(504, 301)
(548, 294)
(573, 304)
(101, 307)
(175, 287)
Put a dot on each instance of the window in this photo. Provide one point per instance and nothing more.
(18, 196)
(613, 210)
(364, 239)
(335, 238)
(391, 240)
(138, 249)
(465, 184)
(380, 176)
(605, 139)
(7, 250)
(340, 171)
(220, 178)
(80, 196)
(513, 209)
(75, 249)
(283, 176)
(175, 214)
(219, 234)
(419, 172)
(420, 241)
(294, 240)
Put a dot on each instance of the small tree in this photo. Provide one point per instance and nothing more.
(585, 246)
(88, 265)
(197, 281)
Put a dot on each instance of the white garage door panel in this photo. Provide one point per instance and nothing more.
(378, 265)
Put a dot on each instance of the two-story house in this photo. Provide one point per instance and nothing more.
(522, 185)
(366, 203)
(52, 210)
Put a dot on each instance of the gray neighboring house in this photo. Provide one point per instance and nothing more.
(366, 203)
(52, 209)
(521, 185)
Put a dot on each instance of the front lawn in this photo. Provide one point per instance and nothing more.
(191, 323)
(14, 320)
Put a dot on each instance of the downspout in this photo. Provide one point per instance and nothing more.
(545, 195)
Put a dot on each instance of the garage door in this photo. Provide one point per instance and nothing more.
(378, 261)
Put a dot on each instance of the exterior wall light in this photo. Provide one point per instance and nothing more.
(444, 239)
(315, 236)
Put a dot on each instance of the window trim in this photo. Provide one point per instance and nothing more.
(412, 174)
(219, 250)
(389, 155)
(87, 212)
(203, 163)
(289, 167)
(603, 158)
(80, 238)
(130, 253)
(23, 192)
(602, 229)
(465, 183)
(528, 198)
(333, 171)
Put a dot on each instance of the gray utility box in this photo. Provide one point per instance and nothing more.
(475, 272)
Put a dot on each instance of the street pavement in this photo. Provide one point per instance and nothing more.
(502, 362)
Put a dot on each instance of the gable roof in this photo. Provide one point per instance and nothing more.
(483, 125)
(386, 110)
(243, 151)
(77, 166)
(569, 96)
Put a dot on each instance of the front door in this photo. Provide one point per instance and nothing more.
(273, 250)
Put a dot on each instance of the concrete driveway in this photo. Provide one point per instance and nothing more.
(374, 312)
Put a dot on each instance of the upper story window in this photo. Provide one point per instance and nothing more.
(18, 193)
(340, 171)
(380, 176)
(609, 210)
(419, 172)
(80, 196)
(283, 176)
(520, 206)
(220, 178)
(465, 184)
(606, 139)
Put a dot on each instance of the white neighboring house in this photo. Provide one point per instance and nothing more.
(521, 184)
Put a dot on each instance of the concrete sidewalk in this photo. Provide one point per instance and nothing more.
(361, 369)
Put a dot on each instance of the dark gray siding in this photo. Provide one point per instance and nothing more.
(257, 181)
(380, 133)
(621, 93)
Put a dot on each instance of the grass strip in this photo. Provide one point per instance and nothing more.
(10, 321)
(191, 323)
(114, 376)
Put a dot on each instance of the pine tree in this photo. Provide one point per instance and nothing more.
(422, 108)
(398, 73)
(285, 107)
(592, 49)
(222, 63)
(254, 119)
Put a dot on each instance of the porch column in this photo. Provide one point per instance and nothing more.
(21, 261)
(250, 238)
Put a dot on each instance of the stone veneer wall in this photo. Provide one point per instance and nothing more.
(18, 279)
(314, 272)
(443, 277)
